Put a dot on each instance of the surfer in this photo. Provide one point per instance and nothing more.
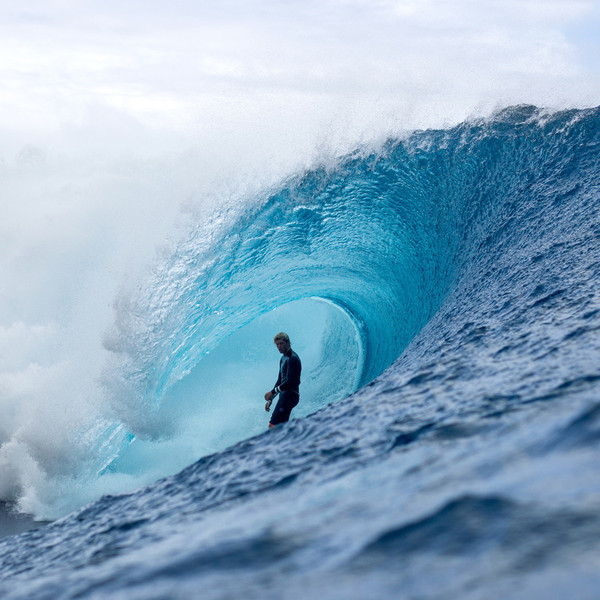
(288, 382)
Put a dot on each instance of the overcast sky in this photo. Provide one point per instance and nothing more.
(195, 63)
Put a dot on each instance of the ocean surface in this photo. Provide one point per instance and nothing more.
(443, 291)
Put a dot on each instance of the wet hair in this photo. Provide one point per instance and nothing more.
(282, 336)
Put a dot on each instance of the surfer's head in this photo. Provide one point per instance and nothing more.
(282, 341)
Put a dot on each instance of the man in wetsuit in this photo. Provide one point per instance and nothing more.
(288, 382)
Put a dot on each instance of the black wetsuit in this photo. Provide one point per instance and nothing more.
(287, 386)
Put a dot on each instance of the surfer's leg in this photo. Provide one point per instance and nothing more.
(285, 404)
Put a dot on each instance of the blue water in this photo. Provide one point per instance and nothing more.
(443, 292)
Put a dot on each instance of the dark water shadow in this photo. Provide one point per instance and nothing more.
(13, 523)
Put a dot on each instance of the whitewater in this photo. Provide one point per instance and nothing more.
(442, 291)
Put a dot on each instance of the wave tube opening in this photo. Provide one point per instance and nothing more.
(351, 262)
(221, 400)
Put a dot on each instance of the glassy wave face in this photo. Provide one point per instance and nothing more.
(444, 295)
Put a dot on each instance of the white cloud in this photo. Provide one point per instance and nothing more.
(152, 59)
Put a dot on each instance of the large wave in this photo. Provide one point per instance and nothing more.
(467, 258)
(351, 258)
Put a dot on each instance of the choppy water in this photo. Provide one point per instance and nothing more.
(469, 261)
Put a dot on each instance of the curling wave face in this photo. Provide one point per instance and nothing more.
(351, 261)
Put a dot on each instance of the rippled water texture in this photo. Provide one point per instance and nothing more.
(468, 258)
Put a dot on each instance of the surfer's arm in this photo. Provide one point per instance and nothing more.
(272, 393)
(269, 397)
